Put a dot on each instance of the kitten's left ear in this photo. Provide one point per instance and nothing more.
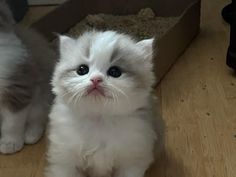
(146, 46)
(66, 42)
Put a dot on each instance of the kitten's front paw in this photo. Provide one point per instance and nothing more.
(32, 135)
(9, 146)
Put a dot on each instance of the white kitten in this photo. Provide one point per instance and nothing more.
(101, 123)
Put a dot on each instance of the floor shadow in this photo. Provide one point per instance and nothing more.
(166, 165)
(232, 72)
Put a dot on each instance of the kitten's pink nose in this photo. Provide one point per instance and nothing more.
(96, 80)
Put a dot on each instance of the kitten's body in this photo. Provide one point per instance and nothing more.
(26, 65)
(102, 135)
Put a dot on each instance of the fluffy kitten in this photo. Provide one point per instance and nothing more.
(101, 123)
(26, 65)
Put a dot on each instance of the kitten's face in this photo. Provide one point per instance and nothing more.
(103, 67)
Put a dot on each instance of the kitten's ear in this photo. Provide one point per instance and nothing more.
(65, 43)
(146, 46)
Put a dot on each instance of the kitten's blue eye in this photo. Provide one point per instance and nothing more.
(114, 71)
(82, 70)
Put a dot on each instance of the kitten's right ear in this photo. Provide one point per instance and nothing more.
(146, 46)
(65, 43)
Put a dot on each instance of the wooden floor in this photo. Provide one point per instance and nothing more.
(198, 103)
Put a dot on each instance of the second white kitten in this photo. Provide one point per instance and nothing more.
(102, 121)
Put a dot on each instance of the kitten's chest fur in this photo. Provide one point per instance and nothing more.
(97, 147)
(106, 142)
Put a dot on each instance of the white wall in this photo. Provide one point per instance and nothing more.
(45, 2)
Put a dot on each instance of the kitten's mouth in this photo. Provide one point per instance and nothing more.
(95, 91)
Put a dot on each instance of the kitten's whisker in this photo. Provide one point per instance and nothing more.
(119, 90)
(78, 98)
(71, 99)
(115, 97)
(66, 93)
(82, 93)
(75, 98)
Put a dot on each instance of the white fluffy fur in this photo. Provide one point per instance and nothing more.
(27, 125)
(11, 48)
(18, 46)
(96, 135)
(12, 124)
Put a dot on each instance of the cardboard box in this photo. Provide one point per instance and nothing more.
(169, 47)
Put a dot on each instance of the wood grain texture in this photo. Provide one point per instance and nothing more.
(198, 103)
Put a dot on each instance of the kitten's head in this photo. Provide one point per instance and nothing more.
(105, 69)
